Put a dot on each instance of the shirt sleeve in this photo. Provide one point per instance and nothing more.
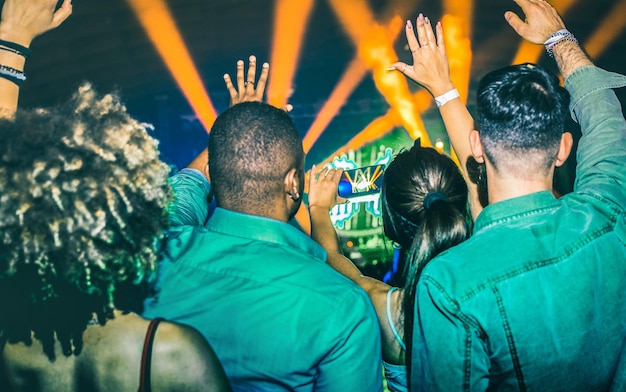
(448, 353)
(190, 206)
(601, 155)
(354, 363)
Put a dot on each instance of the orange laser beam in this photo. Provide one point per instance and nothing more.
(356, 71)
(351, 78)
(290, 20)
(157, 21)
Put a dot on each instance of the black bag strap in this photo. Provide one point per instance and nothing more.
(146, 356)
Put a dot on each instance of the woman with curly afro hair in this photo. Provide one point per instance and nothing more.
(83, 212)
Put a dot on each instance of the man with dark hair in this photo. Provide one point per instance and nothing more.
(278, 317)
(535, 299)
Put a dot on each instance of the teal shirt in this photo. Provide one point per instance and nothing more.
(259, 290)
(536, 299)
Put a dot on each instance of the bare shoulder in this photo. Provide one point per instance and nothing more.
(196, 367)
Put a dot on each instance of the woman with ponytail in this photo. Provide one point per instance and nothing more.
(424, 203)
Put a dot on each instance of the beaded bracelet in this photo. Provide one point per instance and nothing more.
(556, 38)
(15, 48)
(11, 74)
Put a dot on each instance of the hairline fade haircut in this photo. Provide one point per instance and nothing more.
(252, 146)
(521, 115)
(82, 218)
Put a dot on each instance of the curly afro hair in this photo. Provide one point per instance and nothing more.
(82, 218)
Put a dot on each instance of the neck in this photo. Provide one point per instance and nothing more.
(502, 187)
(273, 209)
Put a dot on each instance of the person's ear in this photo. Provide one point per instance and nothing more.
(206, 172)
(292, 184)
(476, 146)
(567, 141)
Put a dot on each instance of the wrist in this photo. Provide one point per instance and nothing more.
(558, 38)
(442, 88)
(14, 35)
(317, 209)
(446, 97)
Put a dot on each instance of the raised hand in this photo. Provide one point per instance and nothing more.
(430, 63)
(542, 20)
(23, 20)
(323, 187)
(246, 91)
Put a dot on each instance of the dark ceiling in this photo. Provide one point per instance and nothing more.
(103, 43)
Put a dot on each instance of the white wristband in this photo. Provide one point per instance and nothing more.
(447, 97)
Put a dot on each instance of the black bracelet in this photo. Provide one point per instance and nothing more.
(15, 48)
(13, 75)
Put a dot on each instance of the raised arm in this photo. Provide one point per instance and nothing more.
(431, 69)
(20, 23)
(322, 198)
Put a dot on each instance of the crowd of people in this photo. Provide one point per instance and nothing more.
(117, 275)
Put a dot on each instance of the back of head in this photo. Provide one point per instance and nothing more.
(521, 115)
(82, 217)
(424, 205)
(252, 146)
(410, 177)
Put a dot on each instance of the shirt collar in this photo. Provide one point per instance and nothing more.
(263, 229)
(507, 210)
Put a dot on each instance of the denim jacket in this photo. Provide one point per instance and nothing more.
(536, 299)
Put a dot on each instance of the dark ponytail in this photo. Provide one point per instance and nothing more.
(424, 204)
(443, 227)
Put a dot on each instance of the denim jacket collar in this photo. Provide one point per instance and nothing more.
(511, 209)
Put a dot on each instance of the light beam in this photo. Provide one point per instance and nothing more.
(157, 21)
(290, 21)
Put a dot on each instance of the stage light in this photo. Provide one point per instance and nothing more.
(351, 78)
(378, 53)
(439, 146)
(462, 11)
(157, 21)
(290, 21)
